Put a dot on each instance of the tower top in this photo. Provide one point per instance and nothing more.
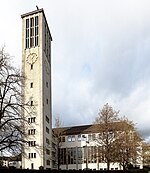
(35, 12)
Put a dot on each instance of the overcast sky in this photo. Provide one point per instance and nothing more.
(100, 54)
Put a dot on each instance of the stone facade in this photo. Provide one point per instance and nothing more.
(36, 66)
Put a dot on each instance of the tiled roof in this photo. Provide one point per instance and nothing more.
(86, 129)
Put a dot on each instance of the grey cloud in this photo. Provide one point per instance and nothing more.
(100, 54)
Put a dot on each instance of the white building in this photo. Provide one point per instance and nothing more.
(79, 150)
(11, 162)
(36, 65)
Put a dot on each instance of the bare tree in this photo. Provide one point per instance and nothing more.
(127, 144)
(58, 122)
(146, 154)
(118, 139)
(58, 133)
(106, 119)
(11, 106)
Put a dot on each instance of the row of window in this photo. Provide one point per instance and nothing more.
(31, 120)
(72, 138)
(31, 132)
(32, 32)
(32, 143)
(31, 103)
(32, 155)
(80, 155)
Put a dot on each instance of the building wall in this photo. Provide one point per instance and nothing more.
(88, 157)
(36, 65)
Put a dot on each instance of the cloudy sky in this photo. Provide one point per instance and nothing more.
(100, 54)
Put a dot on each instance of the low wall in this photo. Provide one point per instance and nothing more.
(69, 171)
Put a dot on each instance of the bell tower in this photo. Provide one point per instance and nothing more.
(36, 66)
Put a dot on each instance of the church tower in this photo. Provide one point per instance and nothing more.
(36, 66)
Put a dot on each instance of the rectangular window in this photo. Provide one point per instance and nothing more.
(90, 137)
(36, 20)
(32, 165)
(31, 103)
(31, 66)
(48, 162)
(47, 130)
(47, 84)
(27, 33)
(73, 138)
(69, 138)
(79, 155)
(47, 140)
(31, 85)
(36, 30)
(47, 119)
(79, 137)
(34, 155)
(84, 138)
(31, 32)
(63, 155)
(93, 136)
(45, 39)
(47, 152)
(47, 101)
(33, 119)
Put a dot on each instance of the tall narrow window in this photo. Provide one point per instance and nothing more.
(32, 165)
(48, 162)
(79, 137)
(31, 85)
(69, 138)
(31, 103)
(47, 152)
(47, 119)
(31, 66)
(47, 84)
(27, 33)
(47, 129)
(45, 39)
(36, 30)
(34, 155)
(31, 32)
(33, 119)
(47, 140)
